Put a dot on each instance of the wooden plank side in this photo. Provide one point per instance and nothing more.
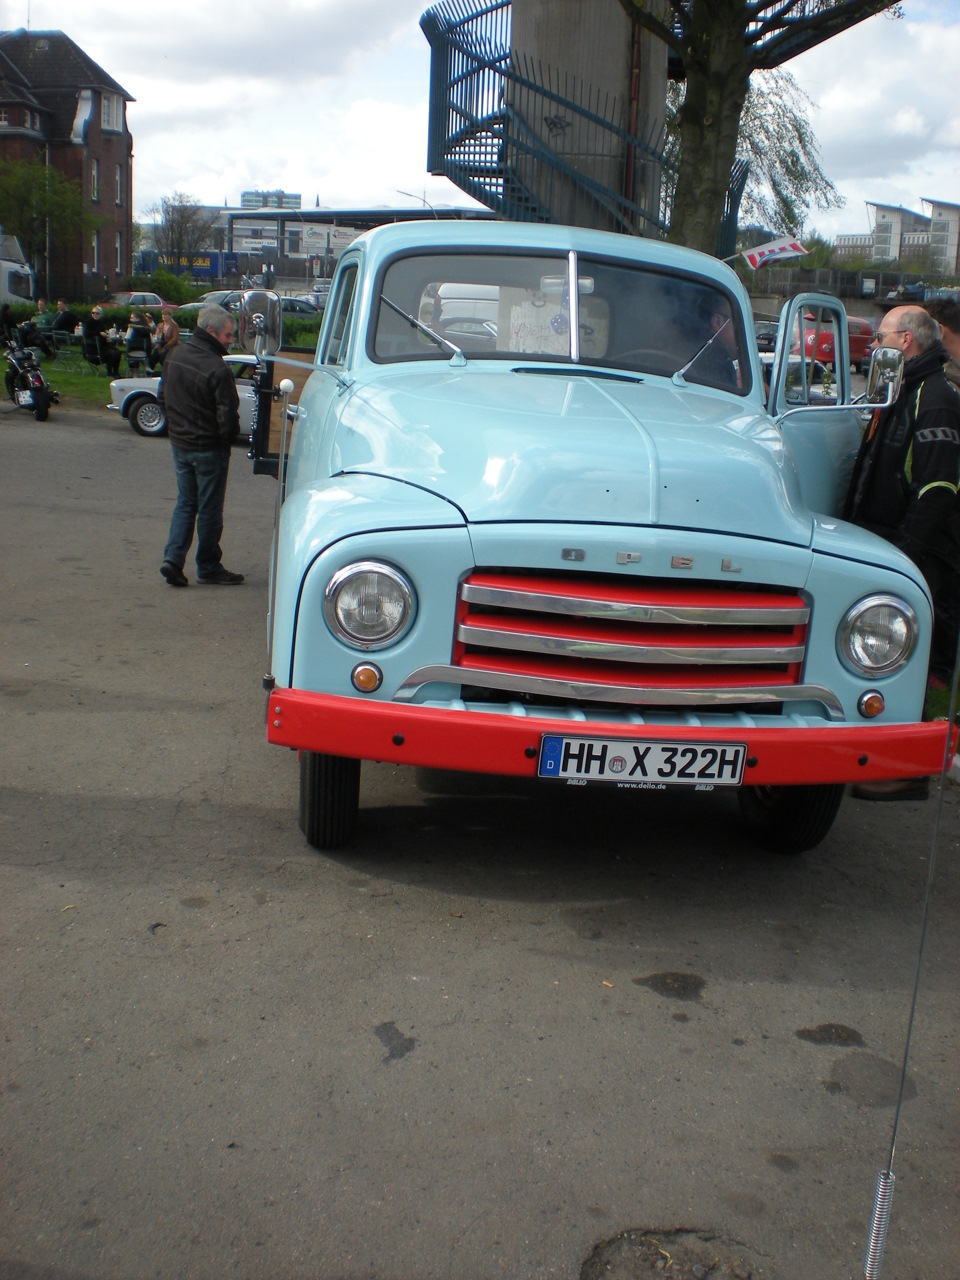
(298, 375)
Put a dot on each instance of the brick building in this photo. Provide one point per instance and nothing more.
(59, 107)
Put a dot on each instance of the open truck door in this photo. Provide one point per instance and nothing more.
(813, 404)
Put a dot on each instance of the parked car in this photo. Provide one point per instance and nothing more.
(861, 341)
(470, 334)
(766, 334)
(596, 553)
(228, 298)
(135, 399)
(152, 301)
(861, 336)
(301, 306)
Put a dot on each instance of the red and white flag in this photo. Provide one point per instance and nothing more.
(785, 247)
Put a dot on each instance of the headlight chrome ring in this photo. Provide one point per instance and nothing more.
(877, 636)
(369, 605)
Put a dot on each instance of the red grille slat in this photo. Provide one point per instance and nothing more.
(577, 627)
(654, 677)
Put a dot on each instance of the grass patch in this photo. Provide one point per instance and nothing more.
(85, 388)
(938, 705)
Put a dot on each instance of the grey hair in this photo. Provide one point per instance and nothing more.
(925, 330)
(213, 318)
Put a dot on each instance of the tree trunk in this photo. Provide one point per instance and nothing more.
(718, 74)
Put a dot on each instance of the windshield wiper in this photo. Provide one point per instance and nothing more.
(458, 357)
(706, 347)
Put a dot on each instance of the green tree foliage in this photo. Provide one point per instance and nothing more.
(819, 252)
(170, 287)
(720, 44)
(776, 137)
(181, 229)
(40, 206)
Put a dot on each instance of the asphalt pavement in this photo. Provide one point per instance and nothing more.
(511, 1034)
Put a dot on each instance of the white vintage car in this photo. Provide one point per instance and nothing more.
(136, 398)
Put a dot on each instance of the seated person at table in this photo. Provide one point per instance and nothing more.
(96, 343)
(35, 331)
(64, 321)
(139, 336)
(165, 337)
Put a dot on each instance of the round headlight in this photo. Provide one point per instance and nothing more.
(369, 605)
(877, 636)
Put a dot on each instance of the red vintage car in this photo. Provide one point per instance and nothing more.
(861, 336)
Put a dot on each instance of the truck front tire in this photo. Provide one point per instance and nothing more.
(329, 799)
(790, 819)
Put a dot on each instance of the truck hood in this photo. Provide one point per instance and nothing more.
(548, 446)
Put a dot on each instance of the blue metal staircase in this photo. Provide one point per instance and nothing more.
(505, 131)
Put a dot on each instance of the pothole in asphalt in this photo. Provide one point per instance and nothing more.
(682, 1254)
(831, 1033)
(674, 986)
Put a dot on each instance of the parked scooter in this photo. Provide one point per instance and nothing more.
(25, 383)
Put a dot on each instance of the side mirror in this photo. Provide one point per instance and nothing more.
(884, 375)
(261, 323)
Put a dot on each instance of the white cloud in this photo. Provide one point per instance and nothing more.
(328, 98)
(885, 118)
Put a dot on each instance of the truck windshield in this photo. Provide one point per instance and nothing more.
(501, 306)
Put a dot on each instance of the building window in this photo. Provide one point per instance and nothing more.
(111, 112)
(119, 185)
(94, 179)
(95, 253)
(4, 117)
(119, 248)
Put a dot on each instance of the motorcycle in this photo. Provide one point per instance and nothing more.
(25, 383)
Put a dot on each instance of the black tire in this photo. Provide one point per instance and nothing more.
(329, 799)
(790, 819)
(146, 417)
(41, 404)
(9, 383)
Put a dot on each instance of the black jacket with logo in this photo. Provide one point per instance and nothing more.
(906, 475)
(199, 395)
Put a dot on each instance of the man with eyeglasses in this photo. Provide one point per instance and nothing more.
(199, 397)
(905, 486)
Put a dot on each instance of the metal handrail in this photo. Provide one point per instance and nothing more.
(481, 135)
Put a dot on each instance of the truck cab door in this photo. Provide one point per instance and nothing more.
(810, 397)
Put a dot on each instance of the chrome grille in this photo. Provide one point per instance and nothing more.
(629, 632)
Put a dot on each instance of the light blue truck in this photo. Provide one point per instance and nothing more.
(587, 539)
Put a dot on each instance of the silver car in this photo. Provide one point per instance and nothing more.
(136, 398)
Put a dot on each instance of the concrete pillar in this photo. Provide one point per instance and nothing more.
(586, 52)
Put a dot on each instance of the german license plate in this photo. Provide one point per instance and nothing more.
(24, 397)
(641, 764)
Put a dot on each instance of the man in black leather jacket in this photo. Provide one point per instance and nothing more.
(906, 476)
(199, 397)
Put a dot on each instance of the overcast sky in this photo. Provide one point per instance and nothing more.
(329, 98)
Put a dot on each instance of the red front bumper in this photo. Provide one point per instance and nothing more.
(492, 742)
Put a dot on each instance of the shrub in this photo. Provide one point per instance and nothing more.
(170, 287)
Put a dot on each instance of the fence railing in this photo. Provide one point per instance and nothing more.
(532, 143)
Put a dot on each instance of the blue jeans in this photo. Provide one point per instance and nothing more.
(201, 489)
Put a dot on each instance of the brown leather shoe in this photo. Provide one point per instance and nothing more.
(893, 789)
